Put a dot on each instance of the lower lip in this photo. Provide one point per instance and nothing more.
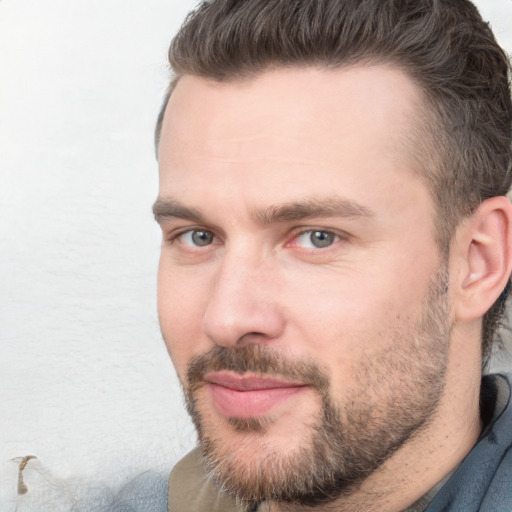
(249, 404)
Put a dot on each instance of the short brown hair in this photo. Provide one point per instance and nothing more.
(444, 47)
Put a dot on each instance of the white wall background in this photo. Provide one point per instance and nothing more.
(85, 382)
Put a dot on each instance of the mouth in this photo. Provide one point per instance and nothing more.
(249, 396)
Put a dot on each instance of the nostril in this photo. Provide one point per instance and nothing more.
(253, 337)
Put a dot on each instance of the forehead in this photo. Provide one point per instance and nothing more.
(290, 126)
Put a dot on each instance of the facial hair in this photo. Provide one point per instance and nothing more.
(395, 396)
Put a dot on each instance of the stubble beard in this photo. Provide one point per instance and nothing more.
(396, 395)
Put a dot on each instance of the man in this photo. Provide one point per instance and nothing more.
(336, 246)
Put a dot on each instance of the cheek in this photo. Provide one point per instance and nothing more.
(181, 306)
(344, 319)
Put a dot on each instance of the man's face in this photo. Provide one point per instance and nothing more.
(301, 294)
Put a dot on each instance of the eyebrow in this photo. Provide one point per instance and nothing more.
(166, 208)
(169, 209)
(313, 207)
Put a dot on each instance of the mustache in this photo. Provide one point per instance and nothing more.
(255, 359)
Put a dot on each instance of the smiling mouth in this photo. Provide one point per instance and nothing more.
(251, 396)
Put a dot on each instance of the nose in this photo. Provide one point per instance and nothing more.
(243, 306)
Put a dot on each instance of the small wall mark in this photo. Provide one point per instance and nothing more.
(22, 488)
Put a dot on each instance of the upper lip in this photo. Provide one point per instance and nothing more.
(249, 382)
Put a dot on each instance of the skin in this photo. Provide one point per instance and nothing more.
(232, 153)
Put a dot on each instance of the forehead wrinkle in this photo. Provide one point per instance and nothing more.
(266, 159)
(309, 208)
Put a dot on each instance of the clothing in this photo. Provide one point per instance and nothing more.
(482, 482)
(192, 490)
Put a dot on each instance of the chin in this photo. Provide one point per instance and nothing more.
(252, 464)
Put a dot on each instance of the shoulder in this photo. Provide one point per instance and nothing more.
(483, 481)
(191, 489)
(497, 440)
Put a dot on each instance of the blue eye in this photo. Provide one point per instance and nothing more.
(316, 239)
(197, 237)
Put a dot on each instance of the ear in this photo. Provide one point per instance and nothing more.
(484, 255)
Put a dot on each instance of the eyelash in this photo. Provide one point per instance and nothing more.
(295, 235)
(330, 236)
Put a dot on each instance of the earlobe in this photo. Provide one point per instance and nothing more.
(487, 253)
